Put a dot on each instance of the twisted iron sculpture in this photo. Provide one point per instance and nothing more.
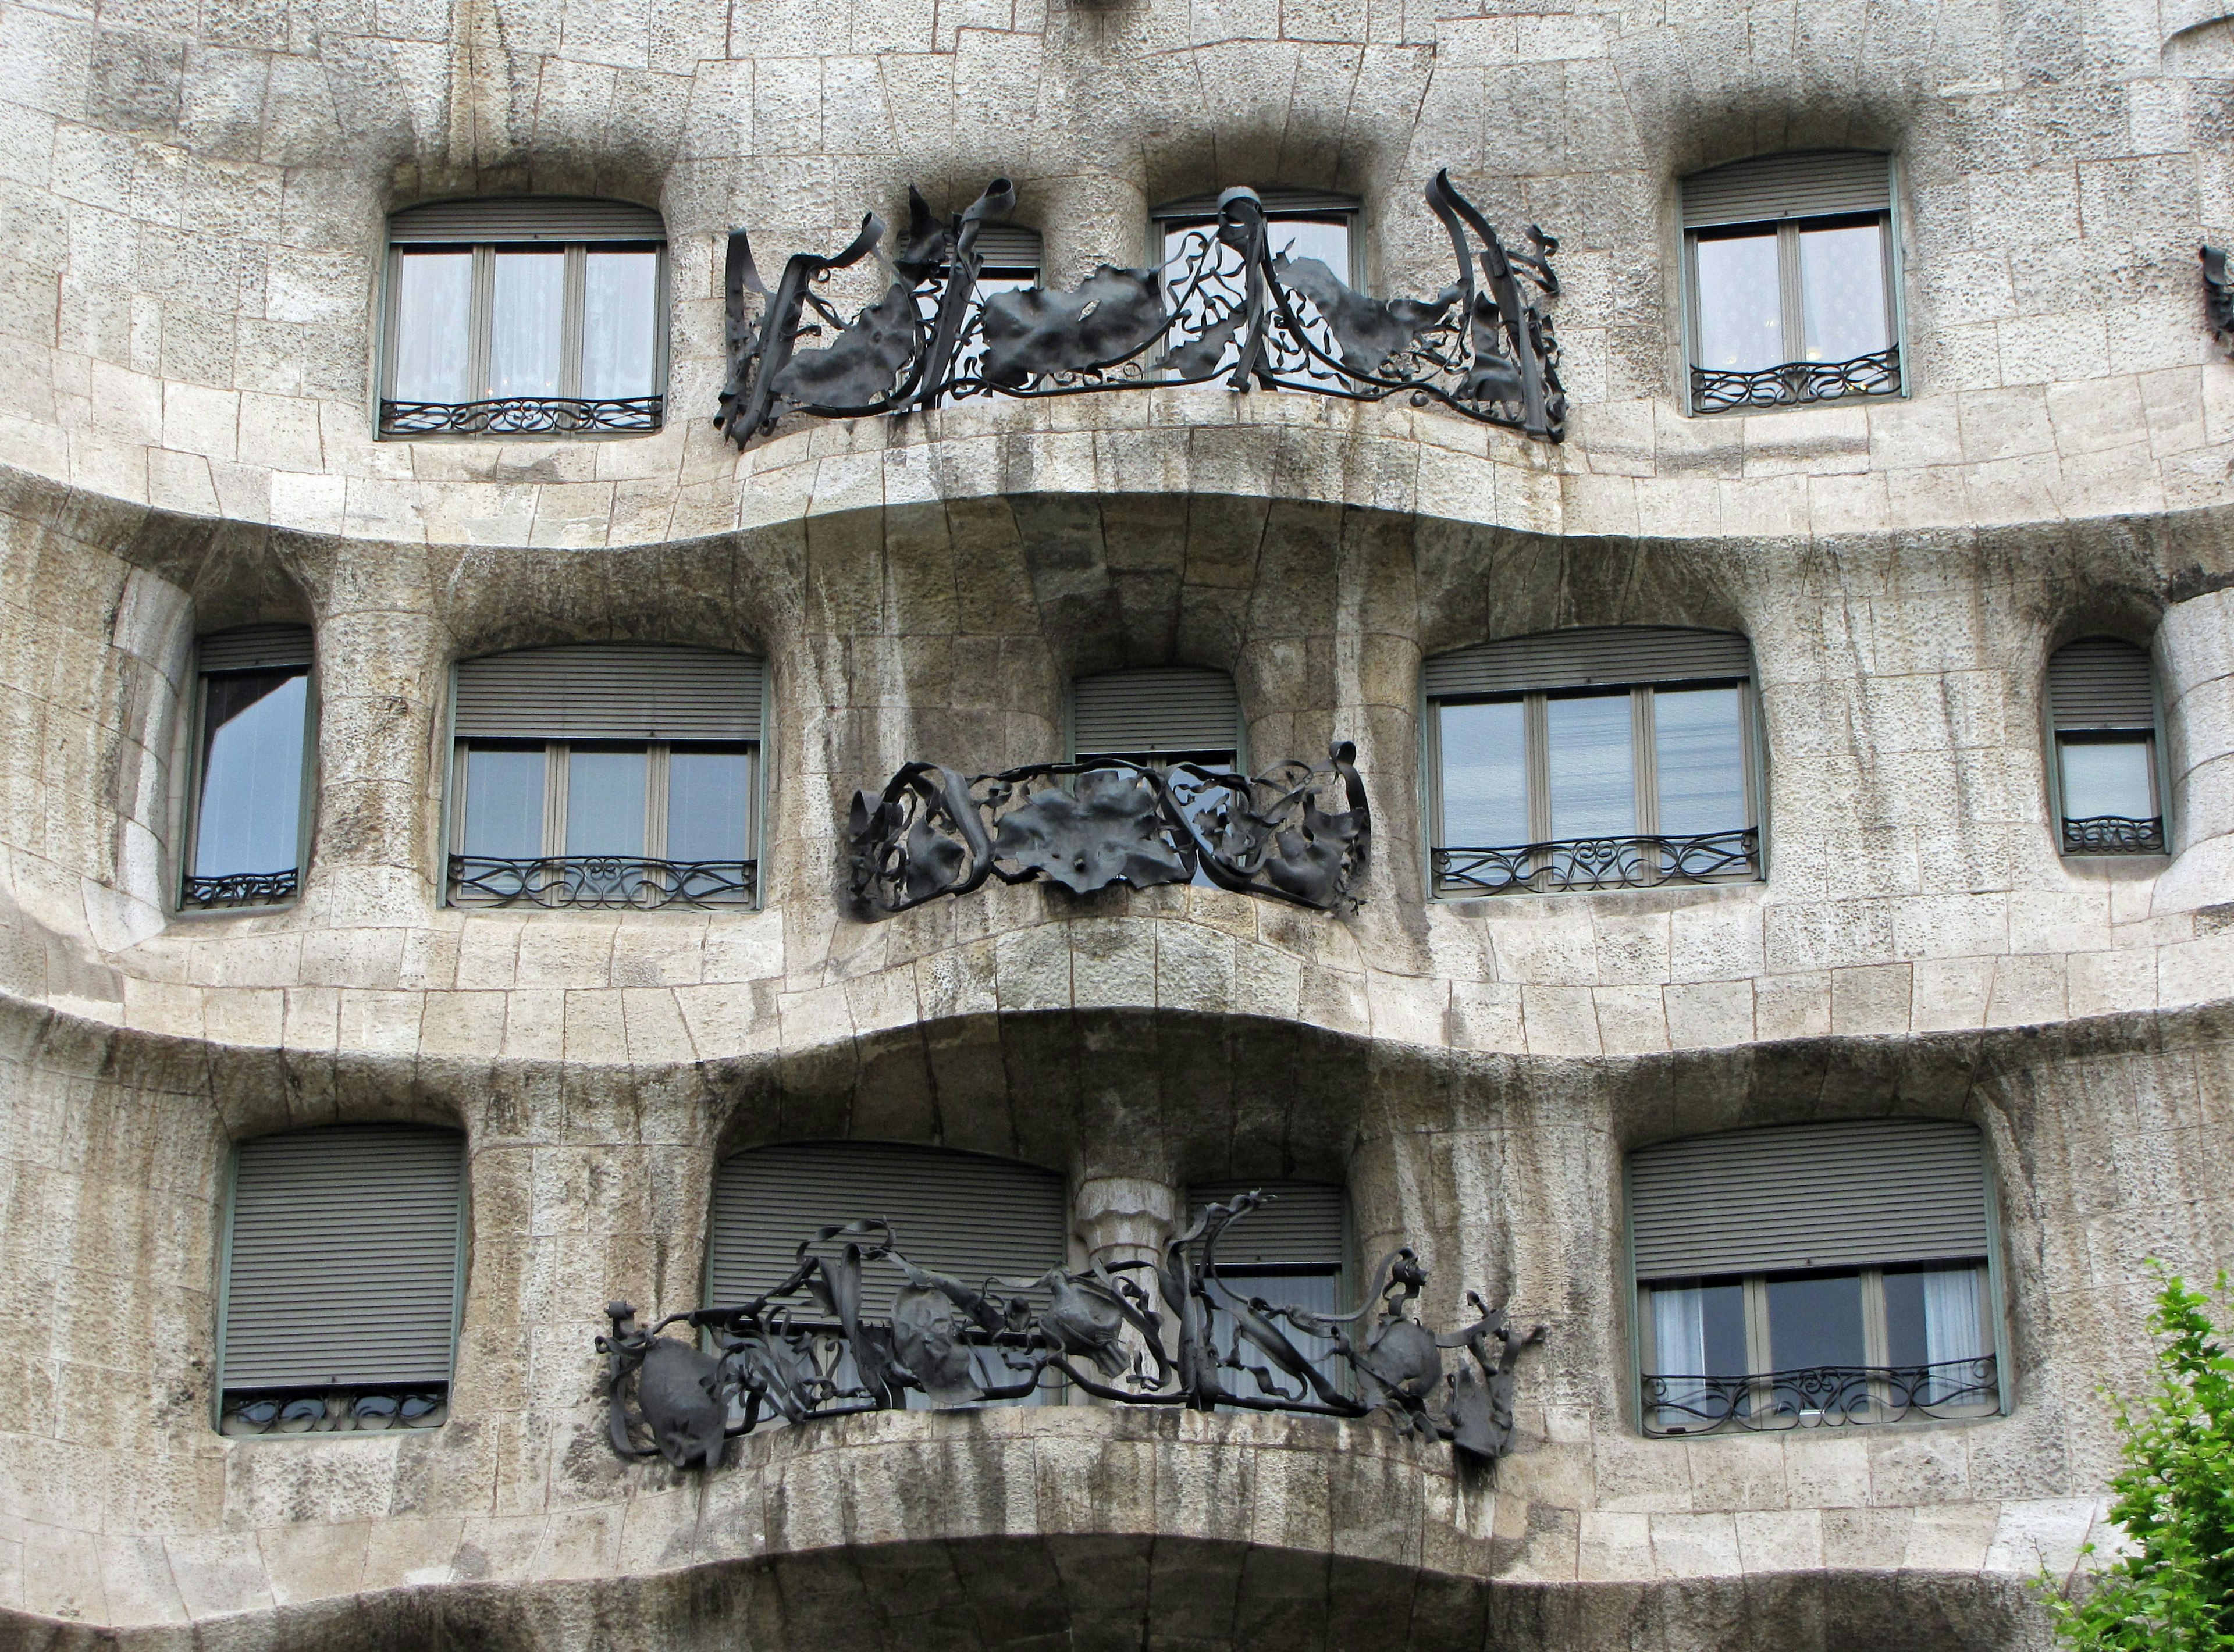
(1237, 305)
(935, 832)
(1168, 1332)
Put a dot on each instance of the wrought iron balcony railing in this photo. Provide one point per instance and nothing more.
(1820, 1396)
(523, 415)
(240, 889)
(1598, 862)
(333, 1411)
(2113, 834)
(601, 882)
(1792, 384)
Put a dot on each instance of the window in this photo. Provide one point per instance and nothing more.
(2102, 706)
(1813, 1276)
(1159, 716)
(964, 1215)
(1791, 281)
(1292, 1252)
(253, 761)
(1299, 223)
(345, 1251)
(1009, 261)
(1616, 758)
(605, 777)
(529, 317)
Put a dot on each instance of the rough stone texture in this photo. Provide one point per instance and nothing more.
(194, 198)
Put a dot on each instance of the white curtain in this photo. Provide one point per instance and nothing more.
(1951, 1330)
(1679, 1346)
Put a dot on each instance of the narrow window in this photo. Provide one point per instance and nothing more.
(1789, 272)
(253, 756)
(344, 1248)
(605, 777)
(1611, 758)
(1203, 278)
(2101, 695)
(1292, 1252)
(1813, 1276)
(1161, 716)
(526, 316)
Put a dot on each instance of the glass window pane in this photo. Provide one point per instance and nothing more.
(1740, 309)
(434, 308)
(1815, 1320)
(708, 796)
(619, 323)
(504, 802)
(1485, 776)
(1319, 1291)
(2107, 777)
(1698, 749)
(1842, 292)
(604, 802)
(1932, 1319)
(527, 323)
(1593, 767)
(1325, 239)
(1698, 1331)
(252, 802)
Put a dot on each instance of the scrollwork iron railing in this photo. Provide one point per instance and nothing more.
(601, 881)
(1295, 832)
(2113, 834)
(525, 415)
(1164, 1332)
(240, 889)
(1598, 862)
(1820, 1396)
(1792, 384)
(333, 1411)
(1231, 303)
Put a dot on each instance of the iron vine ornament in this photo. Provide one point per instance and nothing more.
(2218, 297)
(1295, 832)
(1164, 1332)
(1233, 301)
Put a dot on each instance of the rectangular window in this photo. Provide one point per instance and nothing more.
(2102, 696)
(251, 760)
(1203, 277)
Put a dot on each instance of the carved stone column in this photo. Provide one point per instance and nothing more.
(1124, 1218)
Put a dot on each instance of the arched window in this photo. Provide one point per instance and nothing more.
(248, 830)
(1789, 280)
(1294, 1251)
(612, 776)
(2104, 780)
(536, 315)
(344, 1256)
(1608, 758)
(1814, 1275)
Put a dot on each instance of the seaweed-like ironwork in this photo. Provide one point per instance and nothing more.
(1819, 1396)
(1161, 1331)
(1233, 301)
(2218, 297)
(600, 882)
(1792, 384)
(1297, 833)
(240, 889)
(523, 415)
(2113, 834)
(1598, 862)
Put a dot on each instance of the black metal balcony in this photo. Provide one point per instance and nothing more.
(240, 889)
(2113, 834)
(1820, 1396)
(1793, 384)
(1598, 862)
(525, 415)
(601, 882)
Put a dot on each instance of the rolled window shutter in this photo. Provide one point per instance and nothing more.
(962, 1214)
(609, 693)
(1603, 656)
(1818, 183)
(2101, 683)
(1172, 709)
(343, 1264)
(1300, 1223)
(1849, 1194)
(253, 648)
(526, 218)
(1008, 246)
(1292, 201)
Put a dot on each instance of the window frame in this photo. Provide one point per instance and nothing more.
(196, 766)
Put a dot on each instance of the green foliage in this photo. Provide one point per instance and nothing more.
(2174, 1590)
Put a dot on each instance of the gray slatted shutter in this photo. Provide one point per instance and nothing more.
(2101, 683)
(526, 218)
(1300, 1223)
(957, 1213)
(1605, 656)
(342, 1267)
(1813, 183)
(609, 693)
(1008, 246)
(1323, 202)
(253, 648)
(1169, 709)
(1850, 1194)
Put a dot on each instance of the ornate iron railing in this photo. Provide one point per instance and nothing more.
(1598, 862)
(1165, 1332)
(240, 889)
(1232, 304)
(1819, 1396)
(333, 1411)
(1791, 384)
(601, 881)
(523, 415)
(2113, 834)
(1295, 832)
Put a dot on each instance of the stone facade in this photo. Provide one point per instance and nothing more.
(194, 199)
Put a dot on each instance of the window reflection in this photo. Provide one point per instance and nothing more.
(253, 729)
(1698, 740)
(709, 797)
(1592, 766)
(1484, 773)
(604, 802)
(504, 802)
